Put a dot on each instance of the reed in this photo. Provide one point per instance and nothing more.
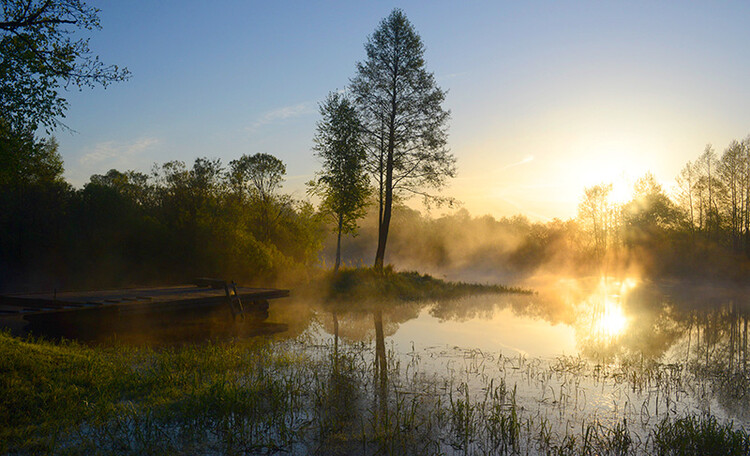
(262, 397)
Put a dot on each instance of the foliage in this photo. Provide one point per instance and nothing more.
(400, 107)
(260, 174)
(40, 52)
(342, 183)
(370, 284)
(26, 160)
(256, 178)
(258, 397)
(127, 228)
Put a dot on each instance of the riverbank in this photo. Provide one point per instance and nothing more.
(365, 284)
(260, 397)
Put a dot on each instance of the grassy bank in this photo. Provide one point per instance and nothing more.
(262, 398)
(362, 284)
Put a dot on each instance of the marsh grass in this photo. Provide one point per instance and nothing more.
(363, 283)
(304, 397)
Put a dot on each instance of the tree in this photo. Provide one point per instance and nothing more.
(686, 187)
(343, 183)
(731, 171)
(26, 160)
(258, 177)
(39, 54)
(595, 213)
(399, 105)
(709, 184)
(650, 214)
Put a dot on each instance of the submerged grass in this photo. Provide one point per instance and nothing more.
(250, 397)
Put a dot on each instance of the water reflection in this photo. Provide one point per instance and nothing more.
(603, 320)
(608, 317)
(676, 352)
(196, 325)
(600, 319)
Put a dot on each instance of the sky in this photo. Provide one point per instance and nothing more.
(546, 98)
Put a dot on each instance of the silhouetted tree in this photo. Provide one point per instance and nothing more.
(685, 196)
(650, 215)
(708, 186)
(401, 109)
(595, 214)
(38, 54)
(732, 171)
(258, 177)
(342, 183)
(24, 159)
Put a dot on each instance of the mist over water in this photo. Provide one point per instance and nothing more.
(604, 350)
(597, 318)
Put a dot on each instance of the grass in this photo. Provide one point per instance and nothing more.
(255, 397)
(364, 283)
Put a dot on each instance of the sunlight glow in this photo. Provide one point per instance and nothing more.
(621, 192)
(606, 307)
(612, 322)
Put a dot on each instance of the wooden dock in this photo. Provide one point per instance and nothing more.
(203, 293)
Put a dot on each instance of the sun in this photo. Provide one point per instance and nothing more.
(622, 191)
(616, 162)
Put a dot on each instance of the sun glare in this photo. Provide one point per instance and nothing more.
(621, 192)
(607, 313)
(612, 321)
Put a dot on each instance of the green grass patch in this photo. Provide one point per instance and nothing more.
(370, 284)
(250, 397)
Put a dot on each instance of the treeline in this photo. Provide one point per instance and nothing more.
(700, 229)
(177, 223)
(714, 194)
(703, 227)
(233, 221)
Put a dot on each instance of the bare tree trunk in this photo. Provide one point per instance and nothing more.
(338, 244)
(386, 222)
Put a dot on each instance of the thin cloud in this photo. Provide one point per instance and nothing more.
(527, 159)
(116, 153)
(453, 75)
(283, 113)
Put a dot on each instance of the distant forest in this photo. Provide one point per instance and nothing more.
(233, 221)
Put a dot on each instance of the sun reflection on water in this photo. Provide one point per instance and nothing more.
(608, 318)
(611, 322)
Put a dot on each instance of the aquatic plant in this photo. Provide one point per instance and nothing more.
(333, 397)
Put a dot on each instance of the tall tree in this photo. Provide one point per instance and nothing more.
(258, 177)
(343, 183)
(595, 214)
(731, 172)
(686, 187)
(39, 53)
(400, 106)
(708, 181)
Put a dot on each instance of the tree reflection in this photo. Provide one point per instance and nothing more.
(381, 368)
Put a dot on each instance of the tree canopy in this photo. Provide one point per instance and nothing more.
(26, 160)
(400, 107)
(42, 50)
(342, 183)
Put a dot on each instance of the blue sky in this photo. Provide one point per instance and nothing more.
(546, 97)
